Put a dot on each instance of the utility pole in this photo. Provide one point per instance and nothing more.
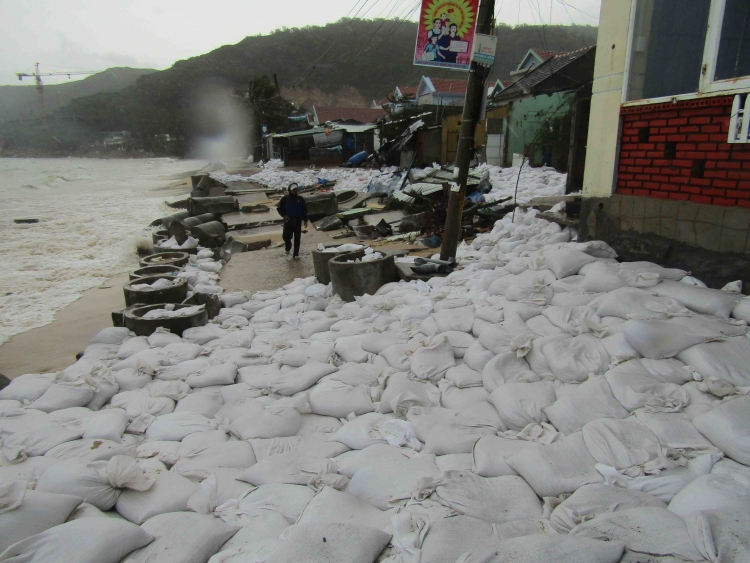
(472, 110)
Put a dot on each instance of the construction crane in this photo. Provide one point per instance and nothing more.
(37, 76)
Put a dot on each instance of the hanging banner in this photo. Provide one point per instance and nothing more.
(445, 35)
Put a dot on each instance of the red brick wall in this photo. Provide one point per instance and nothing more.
(697, 131)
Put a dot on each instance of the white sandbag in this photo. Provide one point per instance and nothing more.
(38, 439)
(350, 350)
(721, 535)
(236, 455)
(223, 374)
(674, 430)
(591, 501)
(63, 396)
(451, 397)
(573, 360)
(290, 469)
(459, 341)
(98, 483)
(477, 356)
(112, 335)
(132, 346)
(89, 450)
(165, 452)
(318, 424)
(742, 310)
(314, 445)
(162, 337)
(289, 500)
(344, 542)
(105, 387)
(260, 377)
(7, 406)
(649, 530)
(459, 319)
(402, 393)
(182, 537)
(700, 299)
(138, 403)
(712, 492)
(625, 445)
(548, 548)
(497, 499)
(302, 378)
(389, 481)
(330, 506)
(25, 513)
(169, 493)
(542, 326)
(203, 334)
(268, 423)
(27, 471)
(147, 360)
(449, 538)
(89, 540)
(725, 360)
(362, 432)
(634, 303)
(634, 387)
(521, 404)
(574, 320)
(728, 427)
(507, 367)
(464, 377)
(175, 389)
(131, 379)
(455, 462)
(665, 339)
(562, 467)
(176, 426)
(430, 363)
(206, 403)
(491, 452)
(591, 400)
(605, 277)
(566, 261)
(337, 399)
(457, 436)
(357, 374)
(535, 358)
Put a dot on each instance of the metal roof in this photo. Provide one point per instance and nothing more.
(317, 130)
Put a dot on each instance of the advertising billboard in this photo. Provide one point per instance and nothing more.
(445, 35)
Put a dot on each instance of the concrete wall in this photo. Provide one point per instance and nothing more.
(680, 151)
(710, 241)
(609, 72)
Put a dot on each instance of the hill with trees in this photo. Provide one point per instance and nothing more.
(347, 63)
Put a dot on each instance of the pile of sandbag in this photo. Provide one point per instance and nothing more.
(544, 403)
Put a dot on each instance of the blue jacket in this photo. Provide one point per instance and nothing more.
(293, 207)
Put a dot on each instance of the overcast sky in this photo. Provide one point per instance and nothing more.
(69, 35)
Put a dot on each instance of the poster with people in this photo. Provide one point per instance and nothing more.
(446, 33)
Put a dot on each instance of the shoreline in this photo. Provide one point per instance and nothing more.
(53, 347)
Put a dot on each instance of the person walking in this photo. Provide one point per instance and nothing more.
(293, 209)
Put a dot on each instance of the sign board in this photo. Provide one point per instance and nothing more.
(445, 36)
(484, 49)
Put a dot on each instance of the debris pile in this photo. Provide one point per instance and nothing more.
(543, 401)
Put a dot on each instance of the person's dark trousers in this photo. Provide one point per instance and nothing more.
(292, 229)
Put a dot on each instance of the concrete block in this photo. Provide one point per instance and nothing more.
(614, 205)
(653, 208)
(685, 232)
(626, 223)
(669, 208)
(737, 218)
(626, 206)
(638, 225)
(711, 214)
(707, 236)
(687, 211)
(733, 241)
(668, 226)
(652, 225)
(639, 207)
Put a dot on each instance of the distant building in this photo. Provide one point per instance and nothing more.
(532, 60)
(118, 140)
(439, 92)
(361, 116)
(667, 174)
(402, 97)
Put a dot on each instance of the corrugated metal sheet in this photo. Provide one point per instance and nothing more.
(423, 188)
(401, 196)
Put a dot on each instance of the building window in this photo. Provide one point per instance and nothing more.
(680, 48)
(734, 45)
